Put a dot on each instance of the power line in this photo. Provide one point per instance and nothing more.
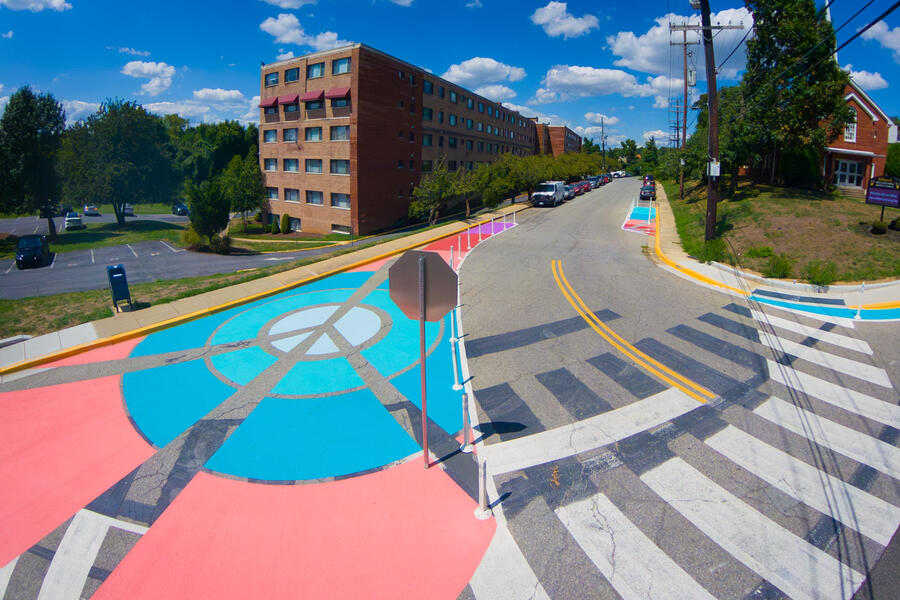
(743, 39)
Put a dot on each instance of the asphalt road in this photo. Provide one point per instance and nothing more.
(613, 482)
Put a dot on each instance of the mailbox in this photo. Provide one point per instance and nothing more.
(118, 285)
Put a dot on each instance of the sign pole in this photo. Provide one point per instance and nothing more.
(422, 358)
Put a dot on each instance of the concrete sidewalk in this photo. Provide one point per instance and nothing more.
(40, 349)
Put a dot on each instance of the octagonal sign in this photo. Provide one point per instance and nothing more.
(440, 285)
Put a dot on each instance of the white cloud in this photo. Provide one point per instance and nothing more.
(480, 71)
(289, 3)
(886, 37)
(159, 73)
(287, 30)
(593, 117)
(8, 35)
(252, 114)
(556, 20)
(403, 2)
(36, 5)
(527, 111)
(650, 52)
(126, 50)
(496, 92)
(612, 140)
(4, 100)
(591, 131)
(564, 82)
(866, 80)
(284, 55)
(186, 109)
(657, 134)
(77, 110)
(474, 4)
(219, 95)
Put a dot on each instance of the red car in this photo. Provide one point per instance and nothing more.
(585, 186)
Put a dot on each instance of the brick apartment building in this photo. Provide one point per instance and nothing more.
(345, 135)
(556, 139)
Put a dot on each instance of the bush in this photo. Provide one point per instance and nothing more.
(800, 166)
(258, 217)
(190, 238)
(713, 250)
(285, 223)
(220, 245)
(274, 227)
(779, 267)
(819, 273)
(895, 224)
(879, 227)
(761, 252)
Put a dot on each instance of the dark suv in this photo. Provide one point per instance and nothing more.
(33, 250)
(180, 209)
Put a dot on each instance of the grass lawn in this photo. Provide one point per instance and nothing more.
(809, 230)
(97, 235)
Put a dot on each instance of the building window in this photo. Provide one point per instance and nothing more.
(270, 135)
(313, 165)
(412, 165)
(316, 70)
(451, 142)
(292, 75)
(429, 87)
(427, 113)
(340, 167)
(452, 96)
(400, 164)
(291, 165)
(291, 108)
(340, 102)
(451, 165)
(481, 107)
(412, 136)
(412, 79)
(481, 146)
(400, 104)
(314, 198)
(490, 110)
(290, 135)
(470, 103)
(294, 223)
(440, 141)
(468, 123)
(480, 126)
(490, 129)
(313, 134)
(400, 74)
(315, 105)
(427, 166)
(440, 116)
(850, 128)
(340, 65)
(469, 165)
(270, 164)
(271, 79)
(440, 91)
(468, 144)
(291, 195)
(426, 139)
(270, 110)
(335, 228)
(340, 200)
(451, 119)
(340, 133)
(272, 193)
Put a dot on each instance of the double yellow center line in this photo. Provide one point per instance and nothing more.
(692, 389)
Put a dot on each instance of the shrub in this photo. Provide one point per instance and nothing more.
(274, 227)
(779, 267)
(258, 216)
(800, 166)
(285, 223)
(761, 252)
(879, 227)
(220, 244)
(713, 250)
(895, 224)
(821, 273)
(190, 238)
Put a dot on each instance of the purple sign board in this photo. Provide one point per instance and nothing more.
(884, 191)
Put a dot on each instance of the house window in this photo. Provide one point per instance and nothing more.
(335, 228)
(451, 142)
(290, 135)
(316, 70)
(291, 195)
(340, 102)
(470, 103)
(270, 135)
(315, 105)
(271, 79)
(313, 165)
(340, 65)
(291, 108)
(314, 198)
(850, 128)
(429, 87)
(272, 193)
(340, 133)
(270, 110)
(292, 75)
(426, 139)
(452, 96)
(340, 167)
(340, 200)
(427, 113)
(294, 223)
(427, 166)
(313, 134)
(291, 165)
(270, 164)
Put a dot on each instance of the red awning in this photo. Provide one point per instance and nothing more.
(312, 96)
(266, 103)
(290, 99)
(338, 92)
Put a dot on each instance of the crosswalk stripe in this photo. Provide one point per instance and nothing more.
(850, 400)
(825, 359)
(845, 322)
(826, 336)
(860, 447)
(581, 436)
(795, 566)
(74, 557)
(5, 575)
(504, 572)
(636, 567)
(867, 514)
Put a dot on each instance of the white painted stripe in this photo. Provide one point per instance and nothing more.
(92, 259)
(170, 247)
(6, 574)
(12, 263)
(842, 321)
(826, 336)
(795, 566)
(132, 250)
(863, 512)
(850, 400)
(117, 523)
(504, 572)
(74, 558)
(849, 442)
(588, 434)
(830, 361)
(636, 567)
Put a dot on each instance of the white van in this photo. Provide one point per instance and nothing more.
(549, 193)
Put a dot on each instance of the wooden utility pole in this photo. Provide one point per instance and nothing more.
(603, 142)
(684, 44)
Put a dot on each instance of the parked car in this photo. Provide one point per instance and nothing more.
(32, 250)
(648, 192)
(73, 221)
(549, 193)
(90, 211)
(606, 178)
(570, 192)
(127, 210)
(64, 210)
(585, 186)
(649, 180)
(595, 181)
(180, 209)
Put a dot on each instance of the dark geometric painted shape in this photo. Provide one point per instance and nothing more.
(531, 335)
(636, 381)
(578, 399)
(503, 404)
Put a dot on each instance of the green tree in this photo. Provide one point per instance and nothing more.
(121, 154)
(30, 131)
(210, 208)
(433, 191)
(892, 165)
(242, 182)
(629, 150)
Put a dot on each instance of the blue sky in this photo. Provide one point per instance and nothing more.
(566, 62)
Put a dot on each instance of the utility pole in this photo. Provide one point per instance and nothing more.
(684, 43)
(603, 142)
